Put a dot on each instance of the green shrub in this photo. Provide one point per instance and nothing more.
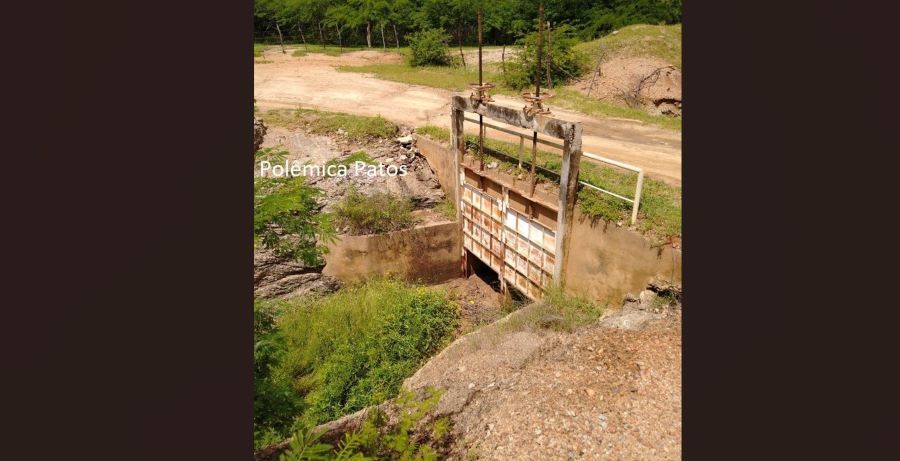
(286, 219)
(429, 47)
(374, 439)
(566, 63)
(275, 405)
(373, 214)
(353, 348)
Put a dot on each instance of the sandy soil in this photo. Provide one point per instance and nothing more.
(284, 81)
(624, 73)
(611, 390)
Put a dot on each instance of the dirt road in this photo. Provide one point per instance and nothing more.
(313, 81)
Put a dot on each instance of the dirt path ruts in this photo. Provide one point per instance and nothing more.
(313, 81)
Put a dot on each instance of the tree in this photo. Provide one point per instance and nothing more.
(286, 219)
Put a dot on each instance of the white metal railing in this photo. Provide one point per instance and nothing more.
(635, 201)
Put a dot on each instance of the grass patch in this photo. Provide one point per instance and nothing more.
(350, 160)
(356, 127)
(444, 77)
(332, 50)
(258, 50)
(446, 208)
(663, 42)
(298, 53)
(573, 100)
(435, 132)
(558, 311)
(373, 214)
(353, 348)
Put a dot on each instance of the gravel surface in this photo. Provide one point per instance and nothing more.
(611, 390)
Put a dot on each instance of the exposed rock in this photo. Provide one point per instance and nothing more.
(405, 140)
(647, 297)
(259, 133)
(278, 277)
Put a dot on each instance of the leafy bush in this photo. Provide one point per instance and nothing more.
(353, 348)
(429, 47)
(373, 214)
(566, 63)
(286, 219)
(274, 402)
(374, 440)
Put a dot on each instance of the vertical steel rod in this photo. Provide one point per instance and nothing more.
(537, 95)
(480, 95)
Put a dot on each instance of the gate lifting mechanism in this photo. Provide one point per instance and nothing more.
(480, 96)
(523, 251)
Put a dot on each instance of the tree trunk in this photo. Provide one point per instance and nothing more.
(549, 56)
(340, 38)
(280, 38)
(459, 41)
(396, 37)
(302, 37)
(321, 34)
(383, 43)
(503, 59)
(369, 33)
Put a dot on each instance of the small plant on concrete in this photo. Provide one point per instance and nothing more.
(446, 209)
(378, 213)
(429, 47)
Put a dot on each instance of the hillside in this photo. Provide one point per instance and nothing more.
(641, 40)
(639, 67)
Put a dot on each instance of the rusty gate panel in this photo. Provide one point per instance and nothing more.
(520, 249)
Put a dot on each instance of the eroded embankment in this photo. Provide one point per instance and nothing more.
(514, 390)
(283, 277)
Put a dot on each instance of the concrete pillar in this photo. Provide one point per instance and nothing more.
(568, 194)
(458, 149)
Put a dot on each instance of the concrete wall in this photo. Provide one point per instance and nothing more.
(430, 253)
(442, 161)
(606, 261)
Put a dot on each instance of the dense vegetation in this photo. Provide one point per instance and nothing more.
(560, 61)
(429, 47)
(286, 216)
(321, 358)
(387, 23)
(377, 439)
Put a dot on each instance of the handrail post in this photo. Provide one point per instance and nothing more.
(637, 197)
(521, 149)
